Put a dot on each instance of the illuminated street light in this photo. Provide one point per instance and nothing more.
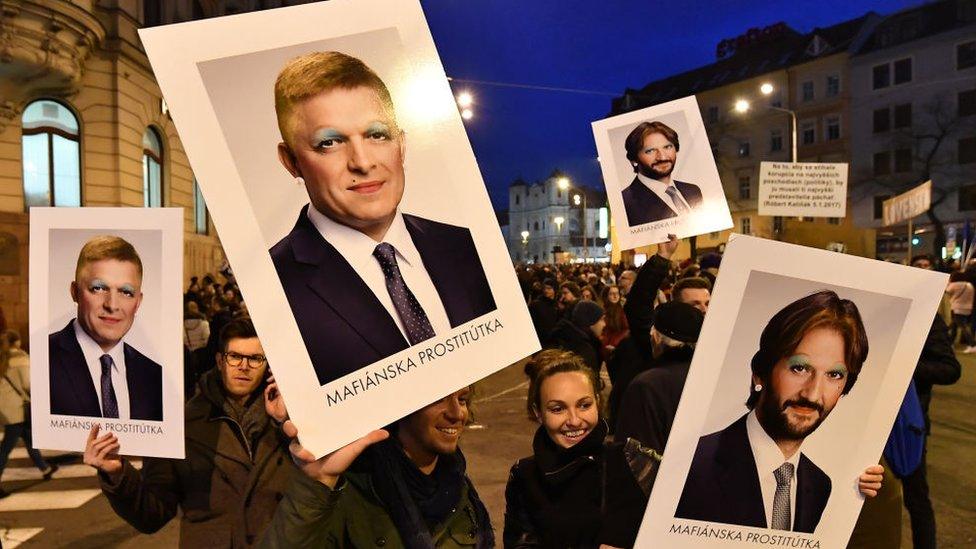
(563, 183)
(742, 106)
(464, 99)
(467, 114)
(525, 237)
(576, 199)
(559, 223)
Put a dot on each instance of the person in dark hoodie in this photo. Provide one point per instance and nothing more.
(236, 464)
(576, 490)
(649, 403)
(580, 333)
(545, 311)
(636, 352)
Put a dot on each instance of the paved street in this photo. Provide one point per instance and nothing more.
(70, 512)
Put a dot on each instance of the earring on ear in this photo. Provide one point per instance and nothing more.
(758, 387)
(300, 180)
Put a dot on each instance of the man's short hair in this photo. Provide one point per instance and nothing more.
(11, 336)
(107, 247)
(920, 257)
(693, 283)
(783, 333)
(572, 287)
(239, 328)
(322, 71)
(635, 140)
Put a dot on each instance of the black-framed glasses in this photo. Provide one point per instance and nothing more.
(253, 361)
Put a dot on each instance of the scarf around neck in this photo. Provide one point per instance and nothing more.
(558, 464)
(417, 502)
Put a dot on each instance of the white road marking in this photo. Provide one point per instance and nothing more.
(74, 470)
(31, 473)
(522, 385)
(13, 537)
(41, 501)
(21, 453)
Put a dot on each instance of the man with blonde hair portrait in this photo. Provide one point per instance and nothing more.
(363, 279)
(93, 372)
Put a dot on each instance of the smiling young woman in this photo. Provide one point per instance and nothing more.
(576, 490)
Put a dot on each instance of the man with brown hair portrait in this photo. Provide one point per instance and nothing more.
(93, 372)
(652, 149)
(752, 473)
(363, 279)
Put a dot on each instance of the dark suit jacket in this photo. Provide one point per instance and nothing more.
(723, 485)
(73, 392)
(643, 206)
(343, 324)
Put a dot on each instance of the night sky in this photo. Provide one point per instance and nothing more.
(597, 47)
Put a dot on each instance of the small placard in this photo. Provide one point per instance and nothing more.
(803, 189)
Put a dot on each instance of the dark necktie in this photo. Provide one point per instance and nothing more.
(110, 406)
(679, 205)
(412, 315)
(781, 500)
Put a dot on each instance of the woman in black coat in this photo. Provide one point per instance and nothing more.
(576, 490)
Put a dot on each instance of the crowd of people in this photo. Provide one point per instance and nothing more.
(246, 481)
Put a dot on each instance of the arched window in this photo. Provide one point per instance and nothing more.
(51, 155)
(199, 210)
(152, 169)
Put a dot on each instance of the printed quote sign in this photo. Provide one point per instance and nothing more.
(803, 189)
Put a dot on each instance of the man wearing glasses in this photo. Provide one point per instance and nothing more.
(236, 466)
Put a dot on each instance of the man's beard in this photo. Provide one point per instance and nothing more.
(776, 423)
(654, 170)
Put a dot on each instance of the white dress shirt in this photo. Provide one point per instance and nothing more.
(93, 352)
(660, 189)
(768, 458)
(357, 249)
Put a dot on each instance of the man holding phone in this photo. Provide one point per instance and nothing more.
(236, 466)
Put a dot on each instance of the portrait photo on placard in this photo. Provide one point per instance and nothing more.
(105, 342)
(660, 174)
(353, 214)
(799, 367)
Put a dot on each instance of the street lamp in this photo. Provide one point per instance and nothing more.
(563, 183)
(525, 237)
(525, 245)
(465, 100)
(742, 106)
(559, 222)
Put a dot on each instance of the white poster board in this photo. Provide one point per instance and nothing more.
(337, 344)
(660, 175)
(66, 387)
(803, 189)
(907, 205)
(710, 434)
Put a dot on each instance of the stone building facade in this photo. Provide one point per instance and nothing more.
(83, 123)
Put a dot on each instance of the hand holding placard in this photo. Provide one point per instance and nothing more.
(328, 468)
(102, 453)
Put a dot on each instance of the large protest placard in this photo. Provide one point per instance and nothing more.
(803, 189)
(907, 205)
(801, 366)
(333, 159)
(660, 175)
(106, 327)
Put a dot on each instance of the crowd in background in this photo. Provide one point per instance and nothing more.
(594, 455)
